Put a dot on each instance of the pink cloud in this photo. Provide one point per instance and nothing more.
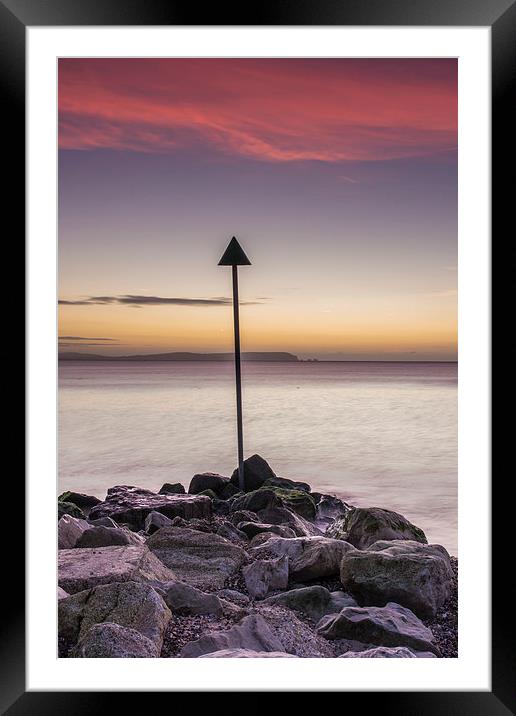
(272, 110)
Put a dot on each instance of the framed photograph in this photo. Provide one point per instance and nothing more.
(258, 262)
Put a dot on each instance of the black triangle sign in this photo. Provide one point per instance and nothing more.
(234, 255)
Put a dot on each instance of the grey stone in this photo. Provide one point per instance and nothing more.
(155, 521)
(237, 516)
(220, 507)
(61, 594)
(183, 599)
(172, 489)
(81, 569)
(198, 558)
(264, 576)
(310, 601)
(285, 517)
(69, 530)
(103, 522)
(113, 641)
(309, 557)
(247, 654)
(392, 625)
(416, 575)
(230, 532)
(131, 505)
(251, 633)
(362, 526)
(286, 484)
(107, 536)
(388, 652)
(207, 481)
(251, 529)
(256, 472)
(129, 604)
(297, 636)
(84, 502)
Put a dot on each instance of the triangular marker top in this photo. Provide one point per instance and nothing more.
(234, 255)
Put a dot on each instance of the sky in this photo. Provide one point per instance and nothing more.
(337, 176)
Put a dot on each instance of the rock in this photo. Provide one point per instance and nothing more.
(243, 516)
(183, 599)
(251, 633)
(230, 532)
(287, 484)
(113, 641)
(81, 569)
(266, 497)
(310, 601)
(298, 637)
(314, 602)
(61, 594)
(329, 508)
(198, 558)
(172, 489)
(264, 576)
(283, 516)
(132, 505)
(251, 529)
(234, 596)
(392, 625)
(256, 472)
(107, 536)
(69, 529)
(256, 500)
(84, 502)
(155, 521)
(309, 557)
(247, 654)
(209, 493)
(416, 575)
(68, 508)
(228, 491)
(129, 604)
(361, 527)
(103, 522)
(220, 507)
(207, 481)
(386, 652)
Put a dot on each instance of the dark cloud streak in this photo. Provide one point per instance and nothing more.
(136, 300)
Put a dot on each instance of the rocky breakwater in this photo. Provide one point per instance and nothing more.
(276, 572)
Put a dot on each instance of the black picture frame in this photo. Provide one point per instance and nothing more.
(500, 16)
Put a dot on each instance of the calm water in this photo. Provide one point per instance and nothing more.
(382, 434)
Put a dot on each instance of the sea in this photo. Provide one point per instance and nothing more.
(374, 433)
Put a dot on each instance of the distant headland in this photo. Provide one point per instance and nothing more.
(257, 356)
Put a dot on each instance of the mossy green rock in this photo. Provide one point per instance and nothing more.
(68, 508)
(364, 526)
(266, 497)
(296, 500)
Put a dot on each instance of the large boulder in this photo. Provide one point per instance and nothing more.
(69, 530)
(309, 557)
(266, 497)
(232, 533)
(84, 502)
(363, 526)
(297, 636)
(283, 516)
(207, 481)
(417, 575)
(80, 569)
(247, 654)
(201, 559)
(392, 625)
(329, 508)
(129, 604)
(251, 633)
(264, 576)
(387, 652)
(155, 521)
(256, 472)
(131, 505)
(98, 536)
(185, 600)
(112, 641)
(314, 602)
(237, 516)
